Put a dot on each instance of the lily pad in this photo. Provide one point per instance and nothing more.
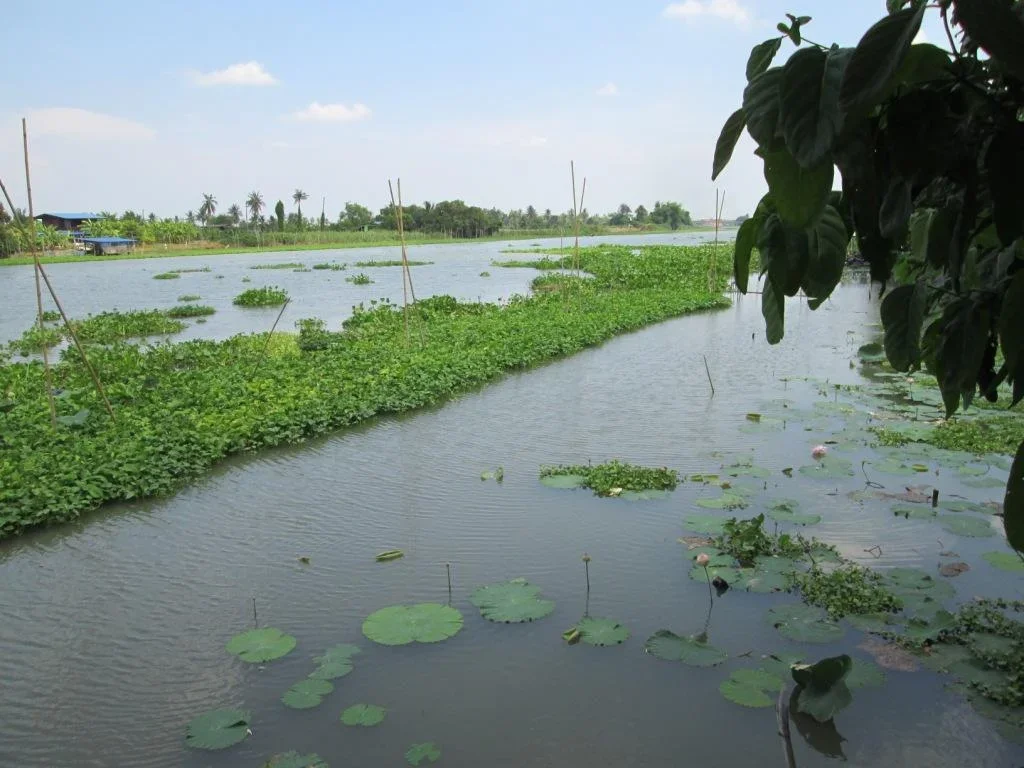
(295, 760)
(960, 505)
(420, 623)
(913, 511)
(1005, 561)
(973, 470)
(599, 631)
(336, 662)
(307, 693)
(764, 581)
(563, 481)
(929, 629)
(759, 678)
(891, 467)
(744, 694)
(427, 752)
(877, 622)
(672, 647)
(512, 602)
(829, 468)
(804, 623)
(218, 729)
(731, 575)
(865, 674)
(710, 524)
(724, 501)
(746, 469)
(972, 527)
(985, 481)
(366, 715)
(785, 511)
(259, 645)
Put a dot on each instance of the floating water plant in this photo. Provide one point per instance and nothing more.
(190, 310)
(268, 296)
(821, 688)
(259, 645)
(307, 693)
(366, 715)
(752, 687)
(295, 760)
(279, 265)
(189, 297)
(166, 276)
(218, 729)
(389, 554)
(612, 478)
(392, 263)
(847, 589)
(420, 623)
(689, 650)
(804, 623)
(360, 278)
(331, 266)
(511, 602)
(785, 511)
(427, 752)
(497, 475)
(336, 662)
(1005, 561)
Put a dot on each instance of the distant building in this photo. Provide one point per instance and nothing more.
(68, 223)
(102, 245)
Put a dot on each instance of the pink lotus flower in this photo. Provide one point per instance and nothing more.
(819, 451)
(703, 560)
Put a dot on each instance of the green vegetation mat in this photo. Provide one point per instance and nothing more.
(182, 407)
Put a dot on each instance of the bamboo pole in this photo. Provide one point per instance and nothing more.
(401, 237)
(270, 335)
(32, 236)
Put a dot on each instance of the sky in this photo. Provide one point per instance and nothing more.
(146, 106)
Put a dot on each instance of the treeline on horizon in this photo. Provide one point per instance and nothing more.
(255, 224)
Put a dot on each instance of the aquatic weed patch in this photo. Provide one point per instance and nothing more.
(360, 278)
(392, 263)
(268, 296)
(190, 310)
(614, 477)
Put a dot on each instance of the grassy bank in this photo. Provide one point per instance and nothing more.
(182, 407)
(332, 241)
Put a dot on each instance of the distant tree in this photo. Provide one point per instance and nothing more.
(5, 217)
(190, 217)
(741, 219)
(151, 218)
(623, 217)
(207, 209)
(279, 213)
(298, 196)
(671, 215)
(235, 213)
(531, 221)
(640, 215)
(255, 205)
(355, 216)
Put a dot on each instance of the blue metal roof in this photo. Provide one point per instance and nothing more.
(108, 240)
(82, 216)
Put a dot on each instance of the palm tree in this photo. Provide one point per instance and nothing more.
(298, 196)
(191, 217)
(207, 209)
(254, 203)
(235, 213)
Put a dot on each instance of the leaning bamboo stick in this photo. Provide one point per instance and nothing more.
(405, 292)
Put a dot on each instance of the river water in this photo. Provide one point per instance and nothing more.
(113, 630)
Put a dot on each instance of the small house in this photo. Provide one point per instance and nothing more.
(68, 223)
(106, 245)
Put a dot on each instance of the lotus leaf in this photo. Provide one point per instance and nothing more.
(971, 527)
(763, 581)
(336, 662)
(563, 481)
(731, 576)
(829, 468)
(726, 501)
(759, 678)
(780, 664)
(363, 714)
(307, 693)
(420, 623)
(1005, 561)
(710, 524)
(960, 505)
(785, 511)
(804, 623)
(295, 760)
(390, 554)
(744, 694)
(647, 495)
(218, 729)
(746, 469)
(599, 631)
(865, 674)
(878, 622)
(891, 467)
(259, 645)
(920, 629)
(512, 602)
(823, 691)
(689, 650)
(913, 511)
(984, 482)
(427, 752)
(973, 470)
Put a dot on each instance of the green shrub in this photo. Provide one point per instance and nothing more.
(268, 296)
(313, 334)
(51, 315)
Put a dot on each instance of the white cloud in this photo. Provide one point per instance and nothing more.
(332, 113)
(83, 124)
(729, 10)
(534, 141)
(608, 89)
(246, 73)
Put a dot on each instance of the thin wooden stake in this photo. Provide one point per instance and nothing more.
(47, 374)
(255, 621)
(401, 236)
(708, 371)
(266, 344)
(448, 567)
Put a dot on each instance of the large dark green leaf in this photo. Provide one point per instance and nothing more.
(727, 141)
(773, 307)
(903, 311)
(994, 26)
(809, 102)
(956, 347)
(924, 62)
(746, 237)
(1004, 162)
(761, 56)
(877, 58)
(800, 194)
(784, 254)
(827, 243)
(1011, 331)
(823, 691)
(761, 105)
(896, 209)
(1013, 503)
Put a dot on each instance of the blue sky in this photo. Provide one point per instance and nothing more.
(147, 105)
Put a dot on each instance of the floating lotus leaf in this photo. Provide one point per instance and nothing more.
(822, 688)
(218, 729)
(648, 495)
(785, 511)
(865, 674)
(829, 468)
(390, 554)
(913, 511)
(295, 760)
(563, 481)
(984, 482)
(336, 662)
(759, 678)
(871, 353)
(746, 469)
(689, 650)
(960, 505)
(512, 602)
(823, 553)
(420, 623)
(920, 629)
(972, 527)
(259, 645)
(764, 582)
(745, 695)
(427, 752)
(780, 664)
(307, 693)
(599, 631)
(804, 623)
(726, 501)
(710, 524)
(366, 715)
(991, 644)
(976, 673)
(878, 622)
(914, 581)
(891, 467)
(732, 576)
(1005, 561)
(973, 470)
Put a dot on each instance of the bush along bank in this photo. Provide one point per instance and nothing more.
(180, 407)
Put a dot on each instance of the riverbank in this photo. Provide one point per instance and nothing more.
(339, 241)
(182, 407)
